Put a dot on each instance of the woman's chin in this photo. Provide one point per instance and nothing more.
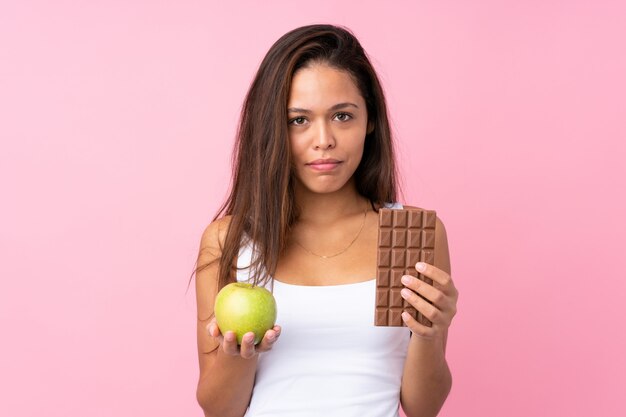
(326, 187)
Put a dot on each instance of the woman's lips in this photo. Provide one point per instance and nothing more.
(323, 165)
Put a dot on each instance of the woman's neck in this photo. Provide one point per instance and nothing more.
(327, 208)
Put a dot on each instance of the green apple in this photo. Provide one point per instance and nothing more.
(243, 308)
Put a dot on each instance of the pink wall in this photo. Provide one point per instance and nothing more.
(117, 119)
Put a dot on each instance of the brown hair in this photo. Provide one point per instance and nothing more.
(261, 200)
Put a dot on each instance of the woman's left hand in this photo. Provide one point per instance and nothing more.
(442, 294)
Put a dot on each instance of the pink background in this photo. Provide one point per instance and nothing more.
(117, 120)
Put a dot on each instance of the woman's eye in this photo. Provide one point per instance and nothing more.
(297, 121)
(343, 117)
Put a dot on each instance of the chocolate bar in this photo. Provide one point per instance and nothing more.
(405, 237)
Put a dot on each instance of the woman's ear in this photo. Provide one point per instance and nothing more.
(370, 127)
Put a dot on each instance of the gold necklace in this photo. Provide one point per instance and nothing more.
(342, 251)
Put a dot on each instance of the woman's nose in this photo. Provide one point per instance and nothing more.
(325, 139)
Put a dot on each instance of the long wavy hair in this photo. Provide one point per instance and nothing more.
(261, 199)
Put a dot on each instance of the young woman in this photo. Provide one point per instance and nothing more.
(314, 163)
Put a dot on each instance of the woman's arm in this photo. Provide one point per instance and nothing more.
(426, 380)
(225, 384)
(226, 371)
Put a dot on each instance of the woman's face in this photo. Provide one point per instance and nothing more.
(327, 127)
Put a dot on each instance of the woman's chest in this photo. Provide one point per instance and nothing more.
(357, 264)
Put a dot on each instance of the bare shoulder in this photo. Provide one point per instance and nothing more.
(207, 266)
(213, 238)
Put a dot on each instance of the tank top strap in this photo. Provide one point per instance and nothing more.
(397, 206)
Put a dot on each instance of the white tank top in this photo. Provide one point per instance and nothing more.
(330, 359)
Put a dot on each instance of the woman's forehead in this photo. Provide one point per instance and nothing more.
(321, 86)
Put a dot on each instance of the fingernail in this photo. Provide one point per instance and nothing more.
(248, 338)
(405, 293)
(271, 338)
(405, 316)
(405, 279)
(420, 266)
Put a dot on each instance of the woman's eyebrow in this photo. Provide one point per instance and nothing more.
(335, 107)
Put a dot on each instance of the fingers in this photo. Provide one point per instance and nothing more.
(436, 303)
(271, 336)
(229, 343)
(430, 311)
(215, 332)
(434, 295)
(417, 327)
(247, 348)
(439, 276)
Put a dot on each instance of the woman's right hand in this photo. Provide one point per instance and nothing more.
(247, 350)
